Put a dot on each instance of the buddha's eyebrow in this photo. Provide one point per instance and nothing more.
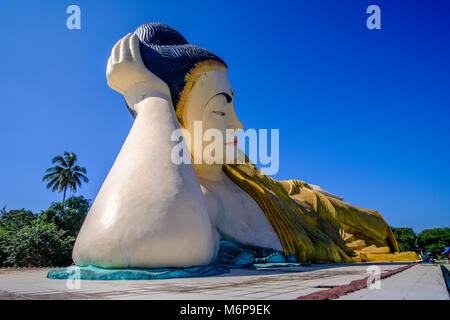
(227, 96)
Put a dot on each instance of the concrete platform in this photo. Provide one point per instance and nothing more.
(421, 282)
(286, 283)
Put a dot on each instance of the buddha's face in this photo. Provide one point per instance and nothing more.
(210, 102)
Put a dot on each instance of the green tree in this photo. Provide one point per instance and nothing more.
(65, 174)
(15, 219)
(10, 222)
(47, 239)
(68, 216)
(406, 238)
(37, 244)
(434, 239)
(3, 243)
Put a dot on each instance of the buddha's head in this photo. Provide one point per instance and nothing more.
(199, 85)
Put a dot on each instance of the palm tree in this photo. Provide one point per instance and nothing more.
(65, 174)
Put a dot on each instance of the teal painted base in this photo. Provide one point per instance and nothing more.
(230, 256)
(96, 273)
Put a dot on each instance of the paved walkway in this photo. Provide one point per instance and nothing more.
(421, 282)
(288, 283)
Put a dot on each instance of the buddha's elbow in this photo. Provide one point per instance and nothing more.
(194, 250)
(194, 245)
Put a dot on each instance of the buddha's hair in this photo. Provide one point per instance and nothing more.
(167, 54)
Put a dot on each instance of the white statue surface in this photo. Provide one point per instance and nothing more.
(151, 212)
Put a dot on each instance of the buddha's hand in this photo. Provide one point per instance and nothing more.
(127, 74)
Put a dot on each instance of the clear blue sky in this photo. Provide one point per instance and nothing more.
(363, 113)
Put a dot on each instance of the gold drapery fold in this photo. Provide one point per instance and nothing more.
(317, 228)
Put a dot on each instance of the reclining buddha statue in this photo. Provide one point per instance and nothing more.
(151, 212)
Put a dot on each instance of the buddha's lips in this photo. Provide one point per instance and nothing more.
(234, 142)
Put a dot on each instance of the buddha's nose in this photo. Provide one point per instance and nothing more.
(234, 122)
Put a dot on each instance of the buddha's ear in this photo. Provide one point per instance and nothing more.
(234, 122)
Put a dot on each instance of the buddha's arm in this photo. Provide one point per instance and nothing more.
(149, 211)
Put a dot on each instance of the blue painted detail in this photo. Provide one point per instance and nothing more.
(280, 265)
(230, 256)
(275, 257)
(96, 273)
(291, 258)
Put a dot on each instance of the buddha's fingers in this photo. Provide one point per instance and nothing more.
(125, 53)
(115, 52)
(109, 77)
(135, 51)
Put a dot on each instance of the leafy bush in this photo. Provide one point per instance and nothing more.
(434, 239)
(406, 238)
(68, 215)
(38, 244)
(47, 239)
(3, 239)
(16, 219)
(428, 240)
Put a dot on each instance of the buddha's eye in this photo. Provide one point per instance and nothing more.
(220, 113)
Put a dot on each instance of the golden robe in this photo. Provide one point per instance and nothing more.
(315, 227)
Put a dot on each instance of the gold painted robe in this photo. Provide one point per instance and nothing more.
(315, 227)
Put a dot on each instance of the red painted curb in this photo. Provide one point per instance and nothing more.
(336, 292)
